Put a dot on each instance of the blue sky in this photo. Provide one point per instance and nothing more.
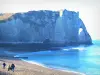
(89, 10)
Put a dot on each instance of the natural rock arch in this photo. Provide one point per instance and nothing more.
(84, 36)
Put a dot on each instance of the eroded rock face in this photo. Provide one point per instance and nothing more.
(33, 26)
(67, 29)
(84, 36)
(37, 26)
(70, 26)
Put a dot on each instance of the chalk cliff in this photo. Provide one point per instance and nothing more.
(38, 26)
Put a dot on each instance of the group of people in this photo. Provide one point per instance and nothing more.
(10, 67)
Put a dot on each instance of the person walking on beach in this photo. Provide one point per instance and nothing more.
(4, 65)
(12, 67)
(9, 68)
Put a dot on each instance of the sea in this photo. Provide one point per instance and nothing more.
(84, 59)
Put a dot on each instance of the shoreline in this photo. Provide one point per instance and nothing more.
(39, 64)
(34, 68)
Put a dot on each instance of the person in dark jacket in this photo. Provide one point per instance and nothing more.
(4, 65)
(12, 67)
(9, 68)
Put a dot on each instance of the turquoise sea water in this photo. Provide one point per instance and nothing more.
(85, 59)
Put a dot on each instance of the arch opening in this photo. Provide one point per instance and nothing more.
(80, 30)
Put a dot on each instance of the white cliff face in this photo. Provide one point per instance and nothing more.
(70, 24)
(59, 31)
(67, 28)
(37, 26)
